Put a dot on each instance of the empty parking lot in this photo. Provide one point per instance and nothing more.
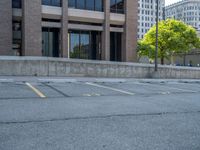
(99, 114)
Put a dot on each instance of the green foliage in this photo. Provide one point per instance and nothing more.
(145, 49)
(173, 37)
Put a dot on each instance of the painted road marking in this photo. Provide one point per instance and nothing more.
(40, 94)
(110, 88)
(89, 95)
(169, 87)
(165, 93)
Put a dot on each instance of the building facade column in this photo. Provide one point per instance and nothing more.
(129, 37)
(64, 30)
(106, 32)
(31, 28)
(6, 27)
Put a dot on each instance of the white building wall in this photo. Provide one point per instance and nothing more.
(187, 11)
(147, 15)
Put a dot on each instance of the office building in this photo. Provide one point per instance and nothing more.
(147, 15)
(187, 11)
(82, 29)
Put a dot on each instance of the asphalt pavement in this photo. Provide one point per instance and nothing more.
(99, 114)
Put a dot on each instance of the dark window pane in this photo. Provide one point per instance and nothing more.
(72, 3)
(80, 4)
(16, 4)
(120, 6)
(117, 6)
(46, 2)
(98, 5)
(115, 46)
(113, 6)
(56, 2)
(17, 38)
(90, 4)
(52, 2)
(112, 2)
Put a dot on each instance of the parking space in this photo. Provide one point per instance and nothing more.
(190, 87)
(155, 88)
(12, 90)
(137, 88)
(92, 89)
(88, 110)
(78, 89)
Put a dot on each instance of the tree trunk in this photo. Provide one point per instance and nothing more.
(162, 60)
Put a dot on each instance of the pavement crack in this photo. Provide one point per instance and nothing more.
(98, 117)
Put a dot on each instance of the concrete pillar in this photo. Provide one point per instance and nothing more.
(129, 37)
(64, 29)
(6, 27)
(31, 28)
(106, 32)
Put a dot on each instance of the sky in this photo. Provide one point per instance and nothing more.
(168, 2)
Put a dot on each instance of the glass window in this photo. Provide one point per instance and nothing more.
(56, 2)
(74, 45)
(117, 6)
(115, 46)
(50, 42)
(120, 6)
(80, 4)
(52, 2)
(98, 5)
(72, 3)
(16, 4)
(45, 2)
(90, 4)
(85, 44)
(112, 2)
(17, 38)
(112, 6)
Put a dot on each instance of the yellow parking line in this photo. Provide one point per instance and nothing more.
(40, 94)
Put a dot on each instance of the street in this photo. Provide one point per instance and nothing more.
(99, 114)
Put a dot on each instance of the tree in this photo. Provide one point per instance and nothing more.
(145, 49)
(173, 37)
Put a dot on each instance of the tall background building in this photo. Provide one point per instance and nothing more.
(187, 11)
(147, 15)
(82, 29)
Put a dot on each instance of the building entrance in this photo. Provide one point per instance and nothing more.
(50, 42)
(115, 46)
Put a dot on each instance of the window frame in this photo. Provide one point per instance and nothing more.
(93, 8)
(52, 3)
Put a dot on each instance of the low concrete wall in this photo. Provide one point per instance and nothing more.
(42, 66)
